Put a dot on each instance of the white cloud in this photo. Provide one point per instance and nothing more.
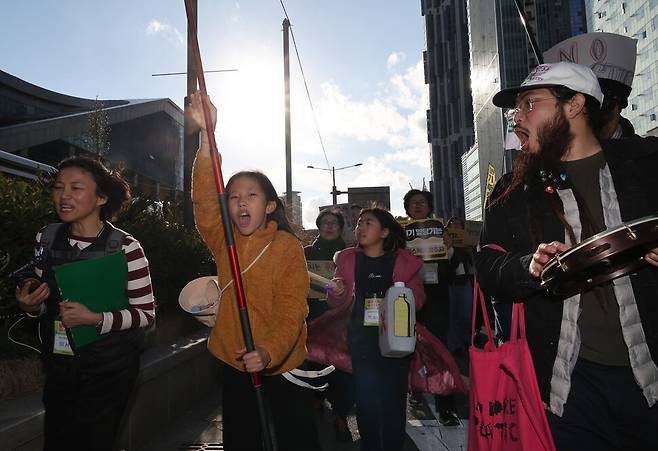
(171, 33)
(394, 59)
(391, 125)
(366, 121)
(410, 88)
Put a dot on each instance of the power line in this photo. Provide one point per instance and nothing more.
(308, 94)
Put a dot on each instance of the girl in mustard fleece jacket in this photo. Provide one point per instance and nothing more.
(276, 284)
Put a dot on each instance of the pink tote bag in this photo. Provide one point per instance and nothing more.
(506, 412)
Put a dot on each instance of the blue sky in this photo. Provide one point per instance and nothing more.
(362, 60)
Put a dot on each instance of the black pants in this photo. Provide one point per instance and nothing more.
(605, 410)
(340, 392)
(84, 407)
(289, 405)
(381, 402)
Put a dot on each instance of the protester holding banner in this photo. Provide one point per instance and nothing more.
(436, 313)
(87, 385)
(321, 253)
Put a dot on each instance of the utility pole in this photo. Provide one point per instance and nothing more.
(334, 191)
(286, 83)
(190, 138)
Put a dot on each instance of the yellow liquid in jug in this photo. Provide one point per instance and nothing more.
(401, 313)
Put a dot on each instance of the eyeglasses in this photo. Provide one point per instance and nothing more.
(329, 224)
(525, 106)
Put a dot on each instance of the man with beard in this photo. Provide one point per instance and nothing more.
(594, 353)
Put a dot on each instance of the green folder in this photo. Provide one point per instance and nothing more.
(99, 284)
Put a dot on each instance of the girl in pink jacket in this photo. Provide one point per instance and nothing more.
(363, 274)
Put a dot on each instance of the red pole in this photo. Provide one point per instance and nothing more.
(268, 431)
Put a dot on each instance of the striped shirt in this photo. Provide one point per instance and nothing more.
(141, 311)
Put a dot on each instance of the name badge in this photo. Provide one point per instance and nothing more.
(61, 342)
(371, 311)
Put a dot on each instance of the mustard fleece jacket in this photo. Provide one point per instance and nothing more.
(276, 285)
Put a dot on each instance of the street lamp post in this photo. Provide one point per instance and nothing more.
(334, 191)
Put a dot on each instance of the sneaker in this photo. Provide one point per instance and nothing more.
(448, 417)
(343, 433)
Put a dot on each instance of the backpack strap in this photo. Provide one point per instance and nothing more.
(114, 240)
(48, 235)
(113, 243)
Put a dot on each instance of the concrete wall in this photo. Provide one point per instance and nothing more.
(172, 378)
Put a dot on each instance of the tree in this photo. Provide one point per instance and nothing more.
(98, 135)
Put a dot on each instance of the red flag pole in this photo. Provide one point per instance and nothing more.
(267, 429)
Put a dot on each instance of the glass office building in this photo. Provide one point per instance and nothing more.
(450, 114)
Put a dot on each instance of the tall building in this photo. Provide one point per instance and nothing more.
(450, 114)
(368, 196)
(500, 57)
(144, 136)
(636, 19)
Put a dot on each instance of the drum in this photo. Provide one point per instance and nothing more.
(601, 258)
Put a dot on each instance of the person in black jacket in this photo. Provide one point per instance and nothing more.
(435, 315)
(594, 352)
(330, 223)
(460, 292)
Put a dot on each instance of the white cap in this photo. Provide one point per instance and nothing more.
(200, 297)
(573, 76)
(398, 284)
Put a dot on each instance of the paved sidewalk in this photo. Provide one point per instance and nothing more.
(200, 429)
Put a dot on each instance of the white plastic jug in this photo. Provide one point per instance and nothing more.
(397, 322)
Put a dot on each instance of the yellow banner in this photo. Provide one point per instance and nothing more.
(491, 182)
(425, 238)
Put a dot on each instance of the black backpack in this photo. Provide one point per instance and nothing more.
(49, 234)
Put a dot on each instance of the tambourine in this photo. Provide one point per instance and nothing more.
(601, 258)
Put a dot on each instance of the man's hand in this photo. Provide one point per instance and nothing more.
(76, 314)
(652, 257)
(254, 361)
(447, 239)
(544, 253)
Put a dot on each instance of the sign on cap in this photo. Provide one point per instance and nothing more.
(610, 56)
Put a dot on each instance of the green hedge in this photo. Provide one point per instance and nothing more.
(176, 255)
(25, 206)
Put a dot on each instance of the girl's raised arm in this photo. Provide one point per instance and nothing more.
(207, 215)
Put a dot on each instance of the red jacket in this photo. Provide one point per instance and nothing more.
(327, 334)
